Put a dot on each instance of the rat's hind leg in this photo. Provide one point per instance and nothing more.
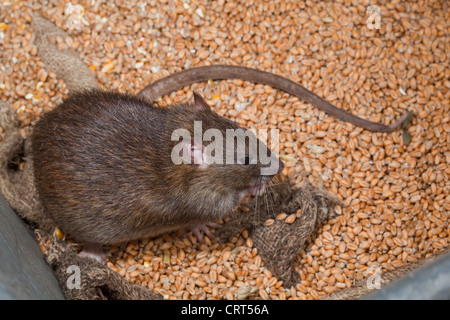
(94, 251)
(198, 229)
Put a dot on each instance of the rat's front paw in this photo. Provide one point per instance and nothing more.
(201, 229)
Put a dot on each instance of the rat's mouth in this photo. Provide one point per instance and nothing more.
(255, 189)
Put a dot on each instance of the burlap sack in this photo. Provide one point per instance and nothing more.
(66, 64)
(278, 245)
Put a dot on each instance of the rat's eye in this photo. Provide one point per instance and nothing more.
(244, 161)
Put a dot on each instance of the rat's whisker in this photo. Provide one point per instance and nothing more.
(269, 207)
(275, 184)
(256, 211)
(271, 193)
(258, 205)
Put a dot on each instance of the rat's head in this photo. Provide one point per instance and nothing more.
(220, 157)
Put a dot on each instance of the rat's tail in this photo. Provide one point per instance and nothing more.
(219, 72)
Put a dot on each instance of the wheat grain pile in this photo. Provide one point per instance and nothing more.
(396, 192)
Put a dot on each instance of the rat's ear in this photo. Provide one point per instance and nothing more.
(200, 103)
(193, 154)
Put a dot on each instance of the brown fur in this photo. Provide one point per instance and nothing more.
(103, 169)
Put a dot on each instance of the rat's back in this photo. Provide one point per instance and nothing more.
(104, 171)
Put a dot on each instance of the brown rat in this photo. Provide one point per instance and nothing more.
(104, 169)
(186, 77)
